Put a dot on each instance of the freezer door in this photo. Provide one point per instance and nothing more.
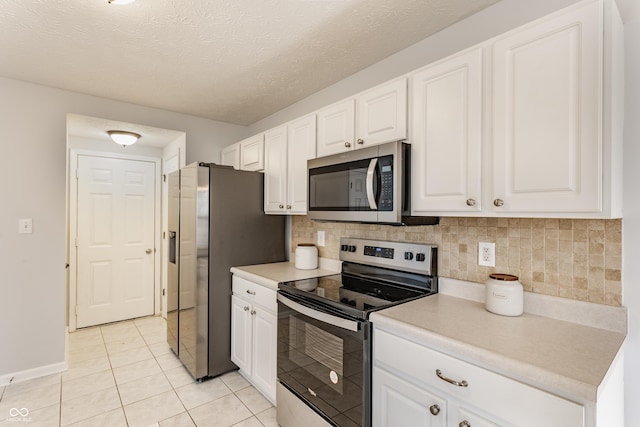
(194, 269)
(173, 182)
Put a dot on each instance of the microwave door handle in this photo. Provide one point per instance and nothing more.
(370, 176)
(339, 322)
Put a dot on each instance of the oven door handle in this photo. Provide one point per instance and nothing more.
(339, 322)
(370, 176)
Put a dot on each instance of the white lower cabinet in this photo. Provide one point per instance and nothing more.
(414, 385)
(254, 334)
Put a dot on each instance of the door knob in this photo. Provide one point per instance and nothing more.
(148, 250)
(434, 409)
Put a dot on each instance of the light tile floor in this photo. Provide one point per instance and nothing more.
(124, 374)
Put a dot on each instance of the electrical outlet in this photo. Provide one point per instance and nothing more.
(487, 254)
(320, 238)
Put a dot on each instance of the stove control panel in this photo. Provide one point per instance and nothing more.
(416, 257)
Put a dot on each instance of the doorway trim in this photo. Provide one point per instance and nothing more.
(73, 226)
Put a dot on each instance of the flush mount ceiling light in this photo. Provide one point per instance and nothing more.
(123, 138)
(120, 1)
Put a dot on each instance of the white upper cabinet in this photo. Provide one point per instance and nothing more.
(230, 156)
(301, 147)
(382, 114)
(549, 140)
(275, 170)
(373, 117)
(287, 149)
(447, 135)
(252, 153)
(336, 128)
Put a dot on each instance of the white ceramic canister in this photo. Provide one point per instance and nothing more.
(306, 256)
(504, 295)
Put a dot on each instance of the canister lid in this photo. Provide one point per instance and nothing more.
(502, 276)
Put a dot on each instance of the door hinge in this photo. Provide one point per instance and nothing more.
(76, 242)
(164, 177)
(164, 291)
(164, 234)
(77, 173)
(76, 310)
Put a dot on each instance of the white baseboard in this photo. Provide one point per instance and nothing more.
(29, 374)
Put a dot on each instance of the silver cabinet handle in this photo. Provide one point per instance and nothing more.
(246, 308)
(347, 144)
(253, 312)
(434, 409)
(462, 383)
(288, 206)
(471, 202)
(360, 141)
(281, 206)
(148, 250)
(464, 423)
(498, 202)
(250, 292)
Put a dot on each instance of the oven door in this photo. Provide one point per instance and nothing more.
(324, 360)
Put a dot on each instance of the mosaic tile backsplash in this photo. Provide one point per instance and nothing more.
(571, 258)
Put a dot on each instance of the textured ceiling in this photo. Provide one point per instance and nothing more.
(236, 61)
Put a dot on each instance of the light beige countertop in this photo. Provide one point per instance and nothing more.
(566, 358)
(270, 275)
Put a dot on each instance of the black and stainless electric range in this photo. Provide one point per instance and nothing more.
(324, 333)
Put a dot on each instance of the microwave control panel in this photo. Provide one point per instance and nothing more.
(386, 182)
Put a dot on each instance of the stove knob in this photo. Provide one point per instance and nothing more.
(420, 257)
(344, 247)
(408, 256)
(352, 248)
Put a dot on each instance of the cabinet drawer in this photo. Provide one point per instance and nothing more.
(255, 293)
(508, 399)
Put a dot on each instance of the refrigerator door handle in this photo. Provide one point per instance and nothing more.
(172, 247)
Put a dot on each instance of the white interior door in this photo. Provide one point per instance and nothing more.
(115, 239)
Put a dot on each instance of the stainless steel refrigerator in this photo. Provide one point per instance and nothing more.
(216, 221)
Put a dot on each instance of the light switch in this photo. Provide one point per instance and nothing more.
(25, 226)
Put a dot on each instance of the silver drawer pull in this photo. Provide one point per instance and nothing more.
(251, 292)
(464, 423)
(434, 409)
(462, 383)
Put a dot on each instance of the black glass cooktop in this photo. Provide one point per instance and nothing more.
(355, 296)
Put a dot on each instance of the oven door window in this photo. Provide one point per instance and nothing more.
(324, 365)
(343, 187)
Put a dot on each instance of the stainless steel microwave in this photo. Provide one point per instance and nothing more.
(369, 185)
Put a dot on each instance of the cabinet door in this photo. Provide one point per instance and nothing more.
(230, 156)
(265, 340)
(241, 333)
(547, 124)
(382, 114)
(275, 170)
(447, 135)
(252, 153)
(301, 147)
(399, 403)
(336, 128)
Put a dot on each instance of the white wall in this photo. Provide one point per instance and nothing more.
(32, 171)
(631, 221)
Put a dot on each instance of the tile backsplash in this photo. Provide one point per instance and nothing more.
(572, 258)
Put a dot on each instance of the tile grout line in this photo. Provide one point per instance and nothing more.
(113, 375)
